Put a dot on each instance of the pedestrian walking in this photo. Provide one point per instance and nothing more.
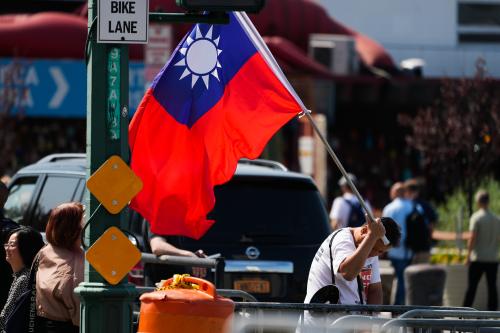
(482, 256)
(6, 227)
(400, 256)
(61, 270)
(428, 216)
(21, 248)
(346, 210)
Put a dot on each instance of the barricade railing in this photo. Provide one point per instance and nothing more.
(422, 313)
(340, 308)
(300, 317)
(451, 325)
(359, 322)
(253, 316)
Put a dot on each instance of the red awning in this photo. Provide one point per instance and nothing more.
(42, 35)
(285, 25)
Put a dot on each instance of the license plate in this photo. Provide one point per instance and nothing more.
(257, 286)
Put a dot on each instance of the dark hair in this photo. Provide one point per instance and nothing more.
(4, 194)
(482, 197)
(392, 230)
(29, 242)
(412, 186)
(65, 225)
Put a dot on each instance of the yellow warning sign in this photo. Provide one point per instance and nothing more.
(113, 255)
(114, 184)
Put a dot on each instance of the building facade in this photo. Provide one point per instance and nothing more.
(449, 36)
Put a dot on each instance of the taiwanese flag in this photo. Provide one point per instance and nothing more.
(220, 97)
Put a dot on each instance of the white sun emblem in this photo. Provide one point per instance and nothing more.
(200, 57)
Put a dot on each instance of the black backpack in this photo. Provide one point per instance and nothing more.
(356, 214)
(418, 236)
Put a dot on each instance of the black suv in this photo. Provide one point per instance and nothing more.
(269, 221)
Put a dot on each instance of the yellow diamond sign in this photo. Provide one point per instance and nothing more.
(114, 184)
(113, 255)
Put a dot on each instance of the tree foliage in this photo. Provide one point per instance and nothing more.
(457, 136)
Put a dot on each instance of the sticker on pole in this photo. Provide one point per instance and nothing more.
(123, 21)
(113, 255)
(114, 184)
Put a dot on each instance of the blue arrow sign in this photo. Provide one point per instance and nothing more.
(54, 88)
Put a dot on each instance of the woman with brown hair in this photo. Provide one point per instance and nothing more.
(61, 270)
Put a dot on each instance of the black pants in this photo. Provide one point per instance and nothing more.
(476, 270)
(45, 325)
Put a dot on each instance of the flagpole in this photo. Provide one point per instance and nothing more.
(307, 113)
(261, 45)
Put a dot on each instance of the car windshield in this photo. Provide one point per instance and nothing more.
(270, 210)
(19, 198)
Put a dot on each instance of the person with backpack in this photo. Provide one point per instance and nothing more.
(399, 209)
(346, 210)
(418, 225)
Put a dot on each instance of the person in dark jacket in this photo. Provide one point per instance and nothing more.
(21, 248)
(6, 227)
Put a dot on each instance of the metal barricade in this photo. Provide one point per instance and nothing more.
(462, 314)
(450, 325)
(289, 317)
(358, 322)
(340, 308)
(253, 316)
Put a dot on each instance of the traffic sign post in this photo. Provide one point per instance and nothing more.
(107, 303)
(107, 135)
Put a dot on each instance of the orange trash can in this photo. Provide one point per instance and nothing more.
(173, 308)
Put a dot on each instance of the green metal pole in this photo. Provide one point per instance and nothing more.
(105, 308)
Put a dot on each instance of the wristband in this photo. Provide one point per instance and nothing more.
(385, 240)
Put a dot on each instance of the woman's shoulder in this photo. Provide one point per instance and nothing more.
(22, 278)
(61, 261)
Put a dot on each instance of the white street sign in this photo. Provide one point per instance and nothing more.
(123, 21)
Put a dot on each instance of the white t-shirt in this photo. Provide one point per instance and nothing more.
(320, 274)
(341, 209)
